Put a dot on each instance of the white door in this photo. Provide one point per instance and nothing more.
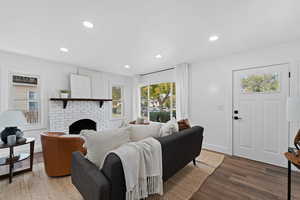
(259, 118)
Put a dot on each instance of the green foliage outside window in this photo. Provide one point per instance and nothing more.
(158, 101)
(117, 104)
(260, 83)
(161, 116)
(116, 93)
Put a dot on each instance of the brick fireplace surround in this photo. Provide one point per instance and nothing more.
(60, 119)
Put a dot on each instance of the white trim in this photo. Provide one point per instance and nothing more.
(294, 91)
(41, 123)
(231, 100)
(217, 148)
(159, 77)
(148, 112)
(138, 90)
(139, 99)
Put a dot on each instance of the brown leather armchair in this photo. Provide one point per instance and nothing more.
(57, 152)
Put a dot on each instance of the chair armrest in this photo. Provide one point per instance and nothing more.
(88, 179)
(73, 143)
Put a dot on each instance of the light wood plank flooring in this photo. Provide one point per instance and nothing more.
(235, 179)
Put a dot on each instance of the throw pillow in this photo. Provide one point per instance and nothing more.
(124, 123)
(183, 124)
(139, 132)
(169, 128)
(99, 143)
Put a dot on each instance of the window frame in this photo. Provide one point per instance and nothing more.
(140, 102)
(30, 100)
(28, 127)
(121, 100)
(148, 87)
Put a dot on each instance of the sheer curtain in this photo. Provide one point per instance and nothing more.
(135, 98)
(182, 91)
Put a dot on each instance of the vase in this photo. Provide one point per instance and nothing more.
(11, 140)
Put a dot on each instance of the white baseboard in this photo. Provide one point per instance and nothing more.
(221, 149)
(216, 148)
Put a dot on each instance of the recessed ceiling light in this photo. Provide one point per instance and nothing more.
(88, 24)
(158, 56)
(127, 66)
(63, 49)
(213, 38)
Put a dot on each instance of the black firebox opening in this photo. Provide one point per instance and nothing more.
(82, 124)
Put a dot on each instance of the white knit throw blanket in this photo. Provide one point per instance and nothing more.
(142, 165)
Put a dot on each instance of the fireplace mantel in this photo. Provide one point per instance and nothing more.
(65, 100)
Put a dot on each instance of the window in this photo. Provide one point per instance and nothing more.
(144, 101)
(158, 102)
(117, 101)
(25, 96)
(260, 83)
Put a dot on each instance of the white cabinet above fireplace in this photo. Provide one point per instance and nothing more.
(80, 86)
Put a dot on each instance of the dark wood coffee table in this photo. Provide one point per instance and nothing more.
(12, 159)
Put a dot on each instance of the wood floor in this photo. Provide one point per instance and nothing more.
(243, 179)
(238, 179)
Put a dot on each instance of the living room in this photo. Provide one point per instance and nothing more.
(223, 75)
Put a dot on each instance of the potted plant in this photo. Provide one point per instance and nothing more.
(64, 93)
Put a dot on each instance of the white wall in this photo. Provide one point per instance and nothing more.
(158, 77)
(211, 90)
(54, 77)
(211, 87)
(101, 84)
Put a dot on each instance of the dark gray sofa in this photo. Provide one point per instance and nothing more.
(109, 184)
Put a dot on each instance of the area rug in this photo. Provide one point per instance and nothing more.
(37, 185)
(188, 181)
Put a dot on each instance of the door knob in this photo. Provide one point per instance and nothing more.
(237, 118)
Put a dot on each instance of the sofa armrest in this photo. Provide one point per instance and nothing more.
(113, 170)
(179, 149)
(88, 179)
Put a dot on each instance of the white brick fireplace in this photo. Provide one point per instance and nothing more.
(60, 119)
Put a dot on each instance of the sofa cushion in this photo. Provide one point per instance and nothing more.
(169, 128)
(177, 151)
(124, 123)
(99, 143)
(139, 132)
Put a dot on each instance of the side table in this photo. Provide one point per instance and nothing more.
(292, 158)
(12, 159)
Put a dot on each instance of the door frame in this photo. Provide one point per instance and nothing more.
(230, 113)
